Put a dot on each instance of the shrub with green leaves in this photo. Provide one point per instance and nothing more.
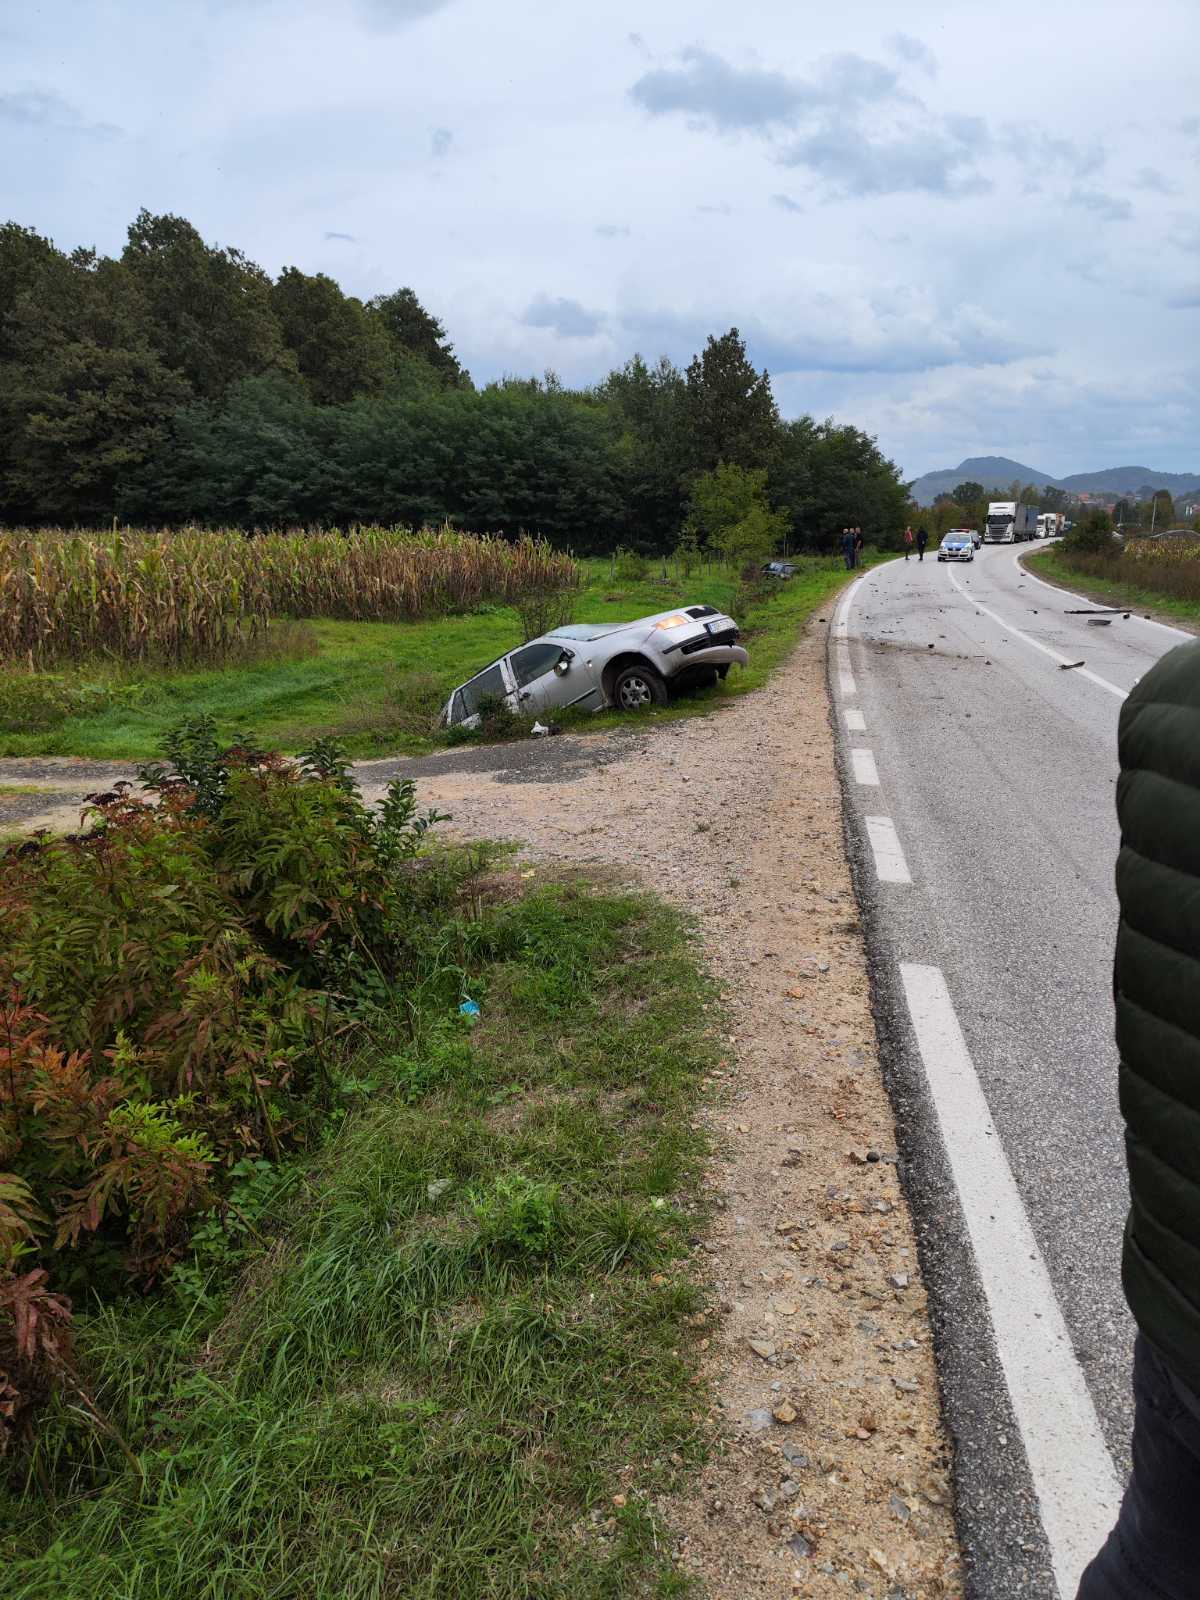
(170, 980)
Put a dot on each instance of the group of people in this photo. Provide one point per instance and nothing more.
(852, 544)
(922, 540)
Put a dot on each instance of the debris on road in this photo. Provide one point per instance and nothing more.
(1069, 666)
(1097, 611)
(1099, 622)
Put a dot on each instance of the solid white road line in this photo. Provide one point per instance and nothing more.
(885, 847)
(846, 681)
(1073, 1473)
(865, 770)
(1055, 655)
(855, 721)
(1068, 594)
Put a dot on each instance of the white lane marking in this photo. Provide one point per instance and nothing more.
(1055, 655)
(847, 684)
(855, 721)
(1073, 1473)
(865, 770)
(846, 681)
(885, 847)
(841, 621)
(1069, 594)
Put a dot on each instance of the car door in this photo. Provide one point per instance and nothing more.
(538, 687)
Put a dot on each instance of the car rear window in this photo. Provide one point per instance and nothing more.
(489, 681)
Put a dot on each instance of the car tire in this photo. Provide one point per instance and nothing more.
(637, 687)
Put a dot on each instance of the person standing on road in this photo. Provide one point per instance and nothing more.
(908, 543)
(848, 548)
(858, 547)
(922, 541)
(1154, 1550)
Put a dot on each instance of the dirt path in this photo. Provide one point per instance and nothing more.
(833, 1474)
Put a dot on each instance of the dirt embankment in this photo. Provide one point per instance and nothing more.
(832, 1472)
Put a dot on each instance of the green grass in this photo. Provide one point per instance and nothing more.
(379, 686)
(1056, 566)
(9, 789)
(473, 1336)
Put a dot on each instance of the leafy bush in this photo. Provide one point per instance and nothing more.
(34, 704)
(1092, 536)
(630, 565)
(171, 984)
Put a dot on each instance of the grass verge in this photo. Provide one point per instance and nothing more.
(463, 1369)
(1090, 576)
(376, 687)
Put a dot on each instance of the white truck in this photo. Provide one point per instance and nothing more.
(1049, 524)
(1009, 522)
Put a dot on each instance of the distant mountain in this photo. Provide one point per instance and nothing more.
(997, 472)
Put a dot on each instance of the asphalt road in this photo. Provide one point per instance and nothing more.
(997, 767)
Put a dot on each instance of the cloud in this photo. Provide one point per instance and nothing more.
(567, 318)
(42, 108)
(1109, 208)
(1185, 302)
(1185, 235)
(1152, 181)
(344, 238)
(1189, 127)
(1041, 152)
(807, 329)
(852, 161)
(719, 208)
(611, 230)
(913, 51)
(440, 141)
(786, 203)
(854, 124)
(395, 13)
(708, 89)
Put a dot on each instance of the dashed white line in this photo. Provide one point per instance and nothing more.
(885, 847)
(1055, 655)
(865, 770)
(1073, 1473)
(855, 721)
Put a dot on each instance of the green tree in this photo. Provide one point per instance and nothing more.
(650, 406)
(828, 476)
(967, 493)
(729, 514)
(1054, 498)
(86, 397)
(208, 311)
(1030, 495)
(1159, 512)
(413, 332)
(339, 349)
(731, 412)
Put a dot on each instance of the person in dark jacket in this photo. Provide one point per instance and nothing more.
(922, 541)
(1154, 1551)
(858, 547)
(848, 547)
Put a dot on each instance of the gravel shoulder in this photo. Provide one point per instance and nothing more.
(831, 1474)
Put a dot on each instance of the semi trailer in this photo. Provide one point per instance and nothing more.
(1009, 522)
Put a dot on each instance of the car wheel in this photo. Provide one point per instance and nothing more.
(637, 687)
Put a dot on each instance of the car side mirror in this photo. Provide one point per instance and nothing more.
(563, 665)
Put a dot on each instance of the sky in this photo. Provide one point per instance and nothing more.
(967, 229)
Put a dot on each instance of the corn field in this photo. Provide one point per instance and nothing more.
(193, 596)
(1164, 552)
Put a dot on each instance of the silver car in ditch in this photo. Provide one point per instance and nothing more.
(592, 665)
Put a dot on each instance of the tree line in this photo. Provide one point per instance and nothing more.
(178, 382)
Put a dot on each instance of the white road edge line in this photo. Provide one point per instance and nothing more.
(1073, 1473)
(855, 721)
(865, 770)
(885, 847)
(1069, 594)
(1055, 655)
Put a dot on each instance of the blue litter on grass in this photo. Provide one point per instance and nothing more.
(469, 1008)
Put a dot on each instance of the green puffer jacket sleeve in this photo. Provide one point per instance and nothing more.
(1157, 990)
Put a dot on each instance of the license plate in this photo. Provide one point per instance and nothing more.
(715, 627)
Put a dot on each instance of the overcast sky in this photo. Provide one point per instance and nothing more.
(979, 234)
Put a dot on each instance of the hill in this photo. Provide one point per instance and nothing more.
(997, 472)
